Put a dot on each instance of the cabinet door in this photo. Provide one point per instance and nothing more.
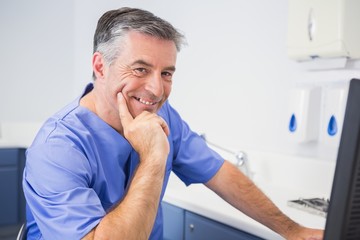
(12, 202)
(9, 193)
(198, 228)
(173, 222)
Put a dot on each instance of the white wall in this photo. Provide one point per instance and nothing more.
(36, 64)
(232, 80)
(36, 59)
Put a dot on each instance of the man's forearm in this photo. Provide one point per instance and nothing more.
(242, 193)
(134, 216)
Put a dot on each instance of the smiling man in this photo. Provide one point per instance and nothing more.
(99, 167)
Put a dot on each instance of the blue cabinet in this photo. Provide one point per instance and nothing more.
(173, 222)
(12, 201)
(180, 224)
(198, 227)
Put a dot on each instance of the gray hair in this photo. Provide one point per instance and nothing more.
(114, 25)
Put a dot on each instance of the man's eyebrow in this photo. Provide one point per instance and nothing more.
(170, 68)
(142, 62)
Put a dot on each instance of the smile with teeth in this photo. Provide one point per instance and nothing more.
(145, 102)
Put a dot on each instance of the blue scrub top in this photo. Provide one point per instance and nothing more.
(78, 167)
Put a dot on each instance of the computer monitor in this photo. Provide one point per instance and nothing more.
(343, 219)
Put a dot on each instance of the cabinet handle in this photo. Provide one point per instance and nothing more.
(191, 227)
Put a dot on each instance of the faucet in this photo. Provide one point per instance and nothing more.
(242, 162)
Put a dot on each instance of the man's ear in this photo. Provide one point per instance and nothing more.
(98, 65)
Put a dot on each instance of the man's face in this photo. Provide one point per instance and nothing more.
(142, 72)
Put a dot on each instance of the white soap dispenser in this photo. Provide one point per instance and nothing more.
(304, 114)
(335, 98)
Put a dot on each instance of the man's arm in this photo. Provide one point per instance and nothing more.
(134, 216)
(235, 188)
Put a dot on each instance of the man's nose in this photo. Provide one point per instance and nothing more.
(155, 85)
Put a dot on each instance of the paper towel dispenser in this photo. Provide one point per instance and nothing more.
(324, 29)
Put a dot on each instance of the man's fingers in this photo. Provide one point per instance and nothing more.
(126, 117)
(124, 113)
(165, 127)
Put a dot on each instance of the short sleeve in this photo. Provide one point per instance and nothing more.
(194, 161)
(56, 186)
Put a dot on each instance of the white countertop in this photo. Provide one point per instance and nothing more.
(280, 184)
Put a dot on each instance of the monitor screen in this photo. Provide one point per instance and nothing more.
(343, 219)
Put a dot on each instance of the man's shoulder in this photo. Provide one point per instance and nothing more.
(167, 111)
(61, 125)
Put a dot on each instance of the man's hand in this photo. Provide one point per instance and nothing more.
(307, 234)
(147, 133)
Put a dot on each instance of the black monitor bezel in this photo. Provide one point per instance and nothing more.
(345, 189)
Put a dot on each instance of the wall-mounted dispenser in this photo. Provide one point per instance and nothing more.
(304, 113)
(334, 103)
(323, 29)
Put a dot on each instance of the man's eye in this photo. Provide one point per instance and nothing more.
(167, 75)
(140, 71)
